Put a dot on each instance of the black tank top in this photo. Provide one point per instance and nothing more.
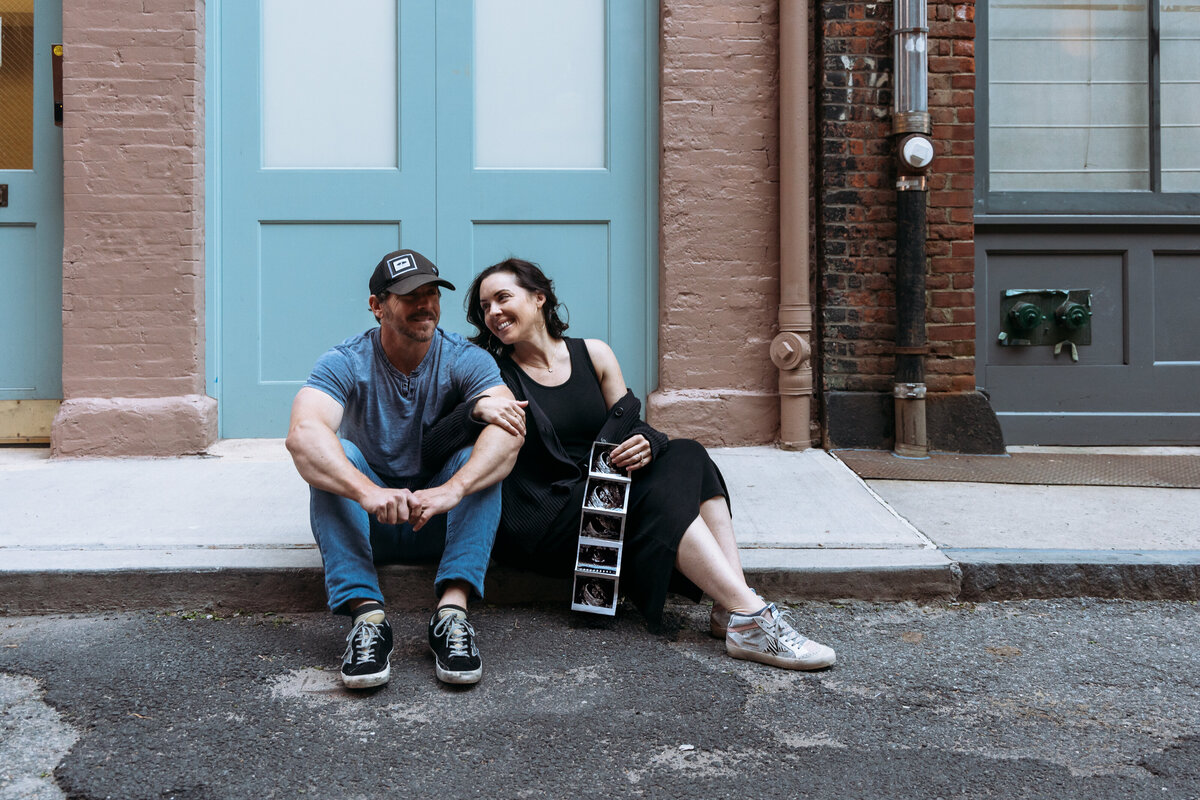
(575, 408)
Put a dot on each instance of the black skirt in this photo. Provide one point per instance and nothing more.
(664, 499)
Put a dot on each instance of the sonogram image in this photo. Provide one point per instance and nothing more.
(602, 462)
(598, 592)
(609, 496)
(596, 556)
(601, 526)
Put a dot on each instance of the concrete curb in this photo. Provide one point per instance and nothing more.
(920, 577)
(301, 589)
(1133, 575)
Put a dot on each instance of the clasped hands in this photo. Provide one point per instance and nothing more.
(396, 506)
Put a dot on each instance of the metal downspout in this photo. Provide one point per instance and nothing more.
(908, 391)
(791, 351)
(914, 153)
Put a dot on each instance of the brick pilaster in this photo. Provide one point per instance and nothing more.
(133, 261)
(719, 214)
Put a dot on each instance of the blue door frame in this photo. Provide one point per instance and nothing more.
(31, 238)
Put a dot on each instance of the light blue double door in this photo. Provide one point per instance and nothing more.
(470, 131)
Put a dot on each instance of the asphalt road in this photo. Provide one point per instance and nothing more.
(1054, 699)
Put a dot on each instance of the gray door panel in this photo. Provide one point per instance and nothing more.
(1138, 381)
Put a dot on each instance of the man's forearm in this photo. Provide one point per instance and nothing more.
(492, 458)
(321, 462)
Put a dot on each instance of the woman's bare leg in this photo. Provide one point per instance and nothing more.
(702, 559)
(715, 514)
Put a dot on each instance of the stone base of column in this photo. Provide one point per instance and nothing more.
(717, 418)
(134, 426)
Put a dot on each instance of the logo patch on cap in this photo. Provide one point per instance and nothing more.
(401, 265)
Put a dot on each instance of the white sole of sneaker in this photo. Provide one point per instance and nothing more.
(777, 661)
(367, 681)
(446, 676)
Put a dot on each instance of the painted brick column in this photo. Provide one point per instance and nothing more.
(133, 260)
(719, 222)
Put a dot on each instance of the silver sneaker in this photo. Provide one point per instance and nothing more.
(718, 618)
(768, 637)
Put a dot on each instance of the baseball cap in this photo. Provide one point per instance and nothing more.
(404, 271)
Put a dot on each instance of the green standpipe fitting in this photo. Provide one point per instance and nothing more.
(1072, 316)
(1025, 316)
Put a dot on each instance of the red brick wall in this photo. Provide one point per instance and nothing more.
(719, 216)
(856, 237)
(133, 261)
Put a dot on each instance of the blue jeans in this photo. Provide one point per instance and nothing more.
(352, 541)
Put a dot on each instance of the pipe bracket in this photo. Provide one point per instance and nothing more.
(908, 391)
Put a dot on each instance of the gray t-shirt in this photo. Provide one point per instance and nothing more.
(386, 411)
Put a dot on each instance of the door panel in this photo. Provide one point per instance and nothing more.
(31, 226)
(20, 364)
(585, 225)
(577, 254)
(287, 342)
(1176, 285)
(299, 239)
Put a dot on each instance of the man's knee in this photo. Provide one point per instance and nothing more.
(458, 459)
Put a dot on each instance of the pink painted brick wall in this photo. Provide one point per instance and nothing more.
(133, 272)
(719, 215)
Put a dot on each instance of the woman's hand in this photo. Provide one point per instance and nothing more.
(503, 412)
(633, 453)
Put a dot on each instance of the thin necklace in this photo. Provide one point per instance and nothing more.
(550, 362)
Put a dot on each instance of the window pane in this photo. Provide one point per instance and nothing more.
(329, 84)
(1179, 71)
(16, 85)
(539, 83)
(1068, 96)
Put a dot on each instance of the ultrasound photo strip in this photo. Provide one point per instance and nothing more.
(601, 534)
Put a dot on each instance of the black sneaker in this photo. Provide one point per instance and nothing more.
(452, 640)
(365, 663)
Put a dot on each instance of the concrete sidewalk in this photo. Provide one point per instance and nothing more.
(229, 530)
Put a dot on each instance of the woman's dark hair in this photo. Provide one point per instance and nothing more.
(529, 277)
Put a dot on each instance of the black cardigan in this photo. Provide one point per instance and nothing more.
(541, 482)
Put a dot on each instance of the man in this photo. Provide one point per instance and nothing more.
(356, 436)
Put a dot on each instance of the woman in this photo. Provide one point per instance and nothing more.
(678, 532)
